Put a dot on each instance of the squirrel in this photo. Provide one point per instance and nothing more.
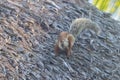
(66, 39)
(64, 42)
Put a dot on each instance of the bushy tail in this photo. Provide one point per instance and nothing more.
(80, 24)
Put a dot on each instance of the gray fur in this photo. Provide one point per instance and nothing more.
(80, 24)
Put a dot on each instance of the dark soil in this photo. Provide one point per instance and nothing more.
(28, 31)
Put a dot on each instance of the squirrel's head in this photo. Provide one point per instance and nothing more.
(63, 40)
